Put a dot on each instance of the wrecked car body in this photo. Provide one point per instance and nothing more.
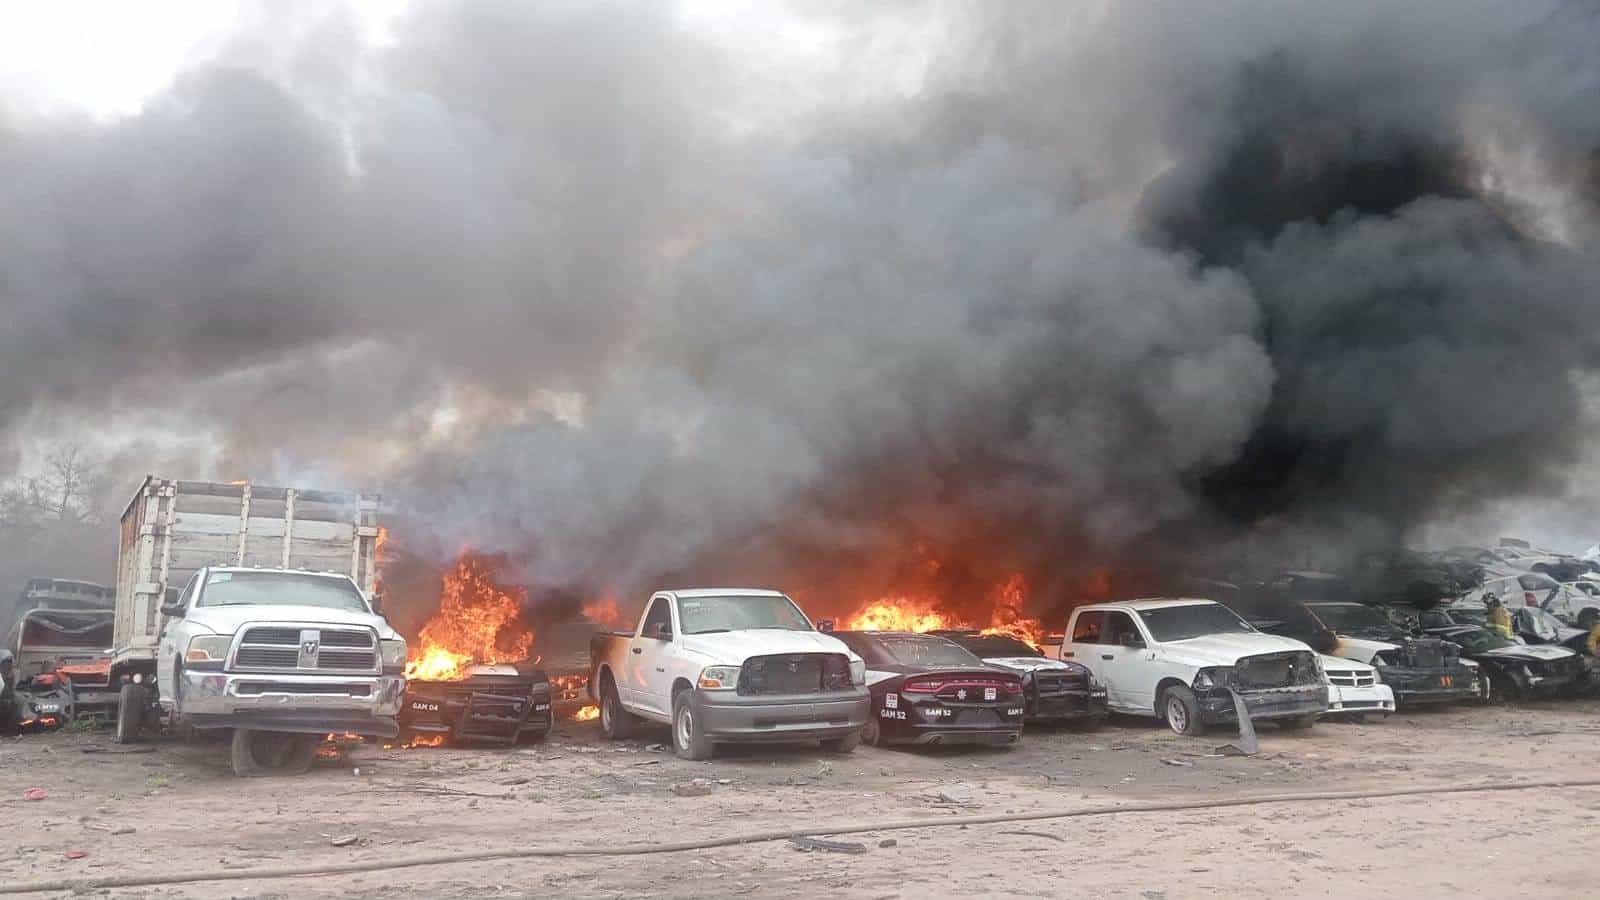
(1511, 670)
(929, 690)
(493, 704)
(1053, 690)
(62, 664)
(1355, 690)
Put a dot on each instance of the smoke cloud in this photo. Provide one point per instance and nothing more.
(940, 293)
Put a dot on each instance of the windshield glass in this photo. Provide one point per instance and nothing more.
(935, 652)
(1469, 616)
(1479, 640)
(989, 646)
(1353, 617)
(280, 589)
(1180, 623)
(709, 615)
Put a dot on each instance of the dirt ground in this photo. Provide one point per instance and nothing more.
(177, 807)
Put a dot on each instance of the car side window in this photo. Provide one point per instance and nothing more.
(186, 599)
(1090, 626)
(660, 614)
(1117, 625)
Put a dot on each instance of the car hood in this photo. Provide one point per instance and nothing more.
(1531, 651)
(1026, 663)
(732, 648)
(1226, 649)
(1361, 649)
(228, 619)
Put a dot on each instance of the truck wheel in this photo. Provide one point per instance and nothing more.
(688, 740)
(130, 713)
(1182, 711)
(846, 744)
(258, 753)
(1297, 723)
(616, 723)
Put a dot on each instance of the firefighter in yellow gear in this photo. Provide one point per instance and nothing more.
(1594, 640)
(1499, 618)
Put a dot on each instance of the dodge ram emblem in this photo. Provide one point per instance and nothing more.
(309, 648)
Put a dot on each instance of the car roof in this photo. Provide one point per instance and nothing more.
(339, 575)
(1145, 603)
(722, 592)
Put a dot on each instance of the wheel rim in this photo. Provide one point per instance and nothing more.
(1177, 715)
(685, 727)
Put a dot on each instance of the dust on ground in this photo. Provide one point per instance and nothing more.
(177, 807)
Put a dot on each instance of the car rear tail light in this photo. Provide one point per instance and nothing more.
(934, 685)
(921, 686)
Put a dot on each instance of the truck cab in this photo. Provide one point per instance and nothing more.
(280, 650)
(729, 665)
(1181, 659)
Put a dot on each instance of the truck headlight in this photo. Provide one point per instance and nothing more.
(719, 678)
(858, 672)
(1212, 677)
(394, 656)
(207, 651)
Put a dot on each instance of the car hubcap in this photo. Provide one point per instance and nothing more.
(1177, 715)
(684, 728)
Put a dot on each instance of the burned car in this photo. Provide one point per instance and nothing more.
(929, 690)
(1053, 690)
(492, 704)
(1512, 670)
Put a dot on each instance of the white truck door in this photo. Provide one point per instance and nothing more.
(646, 659)
(174, 639)
(1130, 678)
(1083, 645)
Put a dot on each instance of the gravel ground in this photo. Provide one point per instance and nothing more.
(176, 807)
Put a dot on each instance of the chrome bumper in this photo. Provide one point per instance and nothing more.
(229, 693)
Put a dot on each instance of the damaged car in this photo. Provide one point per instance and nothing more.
(1053, 691)
(929, 690)
(1182, 660)
(1512, 670)
(1355, 690)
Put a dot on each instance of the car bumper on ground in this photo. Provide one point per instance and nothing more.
(1344, 700)
(729, 718)
(1216, 706)
(358, 704)
(1417, 686)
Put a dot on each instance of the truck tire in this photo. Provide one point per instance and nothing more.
(616, 723)
(1181, 711)
(871, 734)
(261, 753)
(130, 713)
(1297, 723)
(688, 738)
(846, 744)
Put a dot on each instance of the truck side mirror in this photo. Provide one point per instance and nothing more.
(172, 609)
(377, 603)
(825, 626)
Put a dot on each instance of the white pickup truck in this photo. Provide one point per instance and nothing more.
(1176, 659)
(729, 665)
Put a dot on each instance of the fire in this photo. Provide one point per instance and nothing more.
(418, 740)
(478, 622)
(605, 612)
(587, 713)
(903, 613)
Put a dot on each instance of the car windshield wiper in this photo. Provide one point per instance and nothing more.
(709, 631)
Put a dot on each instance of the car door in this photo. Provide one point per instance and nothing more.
(645, 662)
(1082, 643)
(1125, 659)
(175, 635)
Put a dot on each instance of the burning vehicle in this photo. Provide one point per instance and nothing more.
(729, 665)
(63, 665)
(927, 689)
(1181, 660)
(470, 676)
(1053, 690)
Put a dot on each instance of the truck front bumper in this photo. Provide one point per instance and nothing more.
(365, 705)
(1216, 706)
(1413, 686)
(728, 718)
(1344, 700)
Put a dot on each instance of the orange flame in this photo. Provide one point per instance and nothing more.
(478, 622)
(605, 612)
(417, 740)
(587, 713)
(903, 613)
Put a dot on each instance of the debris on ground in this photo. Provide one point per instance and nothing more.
(811, 845)
(950, 795)
(699, 787)
(888, 842)
(345, 840)
(75, 854)
(1038, 834)
(1178, 762)
(35, 794)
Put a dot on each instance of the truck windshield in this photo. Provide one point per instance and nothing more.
(708, 615)
(1180, 623)
(280, 589)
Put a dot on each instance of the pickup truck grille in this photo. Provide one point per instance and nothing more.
(1351, 678)
(1275, 670)
(266, 648)
(794, 673)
